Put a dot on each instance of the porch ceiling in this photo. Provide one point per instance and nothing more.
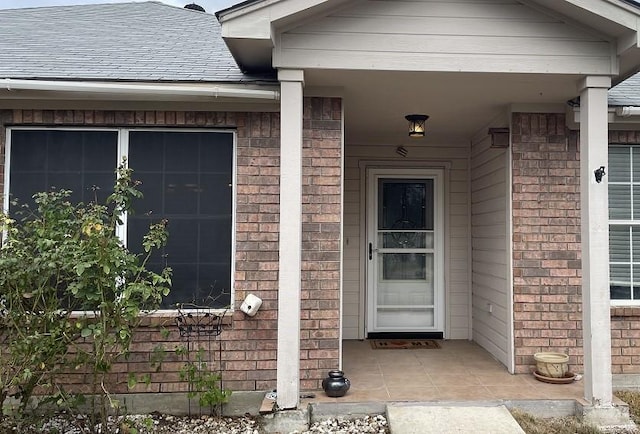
(459, 105)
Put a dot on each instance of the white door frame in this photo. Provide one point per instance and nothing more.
(438, 176)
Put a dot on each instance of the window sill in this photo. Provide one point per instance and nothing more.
(166, 317)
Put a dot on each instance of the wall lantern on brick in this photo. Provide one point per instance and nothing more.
(499, 137)
(416, 125)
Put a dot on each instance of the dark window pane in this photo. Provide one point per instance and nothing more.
(215, 158)
(214, 238)
(152, 193)
(214, 283)
(406, 204)
(67, 181)
(28, 150)
(182, 246)
(65, 151)
(24, 185)
(99, 154)
(181, 152)
(137, 227)
(97, 186)
(181, 193)
(620, 292)
(620, 281)
(188, 181)
(150, 151)
(186, 276)
(71, 160)
(218, 187)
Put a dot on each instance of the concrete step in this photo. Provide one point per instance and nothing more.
(413, 418)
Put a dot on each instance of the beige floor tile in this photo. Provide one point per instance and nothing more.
(367, 395)
(460, 370)
(439, 360)
(470, 393)
(412, 381)
(514, 392)
(408, 370)
(366, 381)
(444, 369)
(451, 380)
(414, 394)
(501, 379)
(401, 360)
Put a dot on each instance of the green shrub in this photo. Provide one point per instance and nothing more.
(71, 294)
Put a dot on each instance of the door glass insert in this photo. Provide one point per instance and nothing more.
(405, 248)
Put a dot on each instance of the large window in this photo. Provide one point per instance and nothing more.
(187, 178)
(624, 222)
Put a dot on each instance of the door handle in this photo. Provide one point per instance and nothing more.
(370, 251)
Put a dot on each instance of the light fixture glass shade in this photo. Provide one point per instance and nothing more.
(416, 125)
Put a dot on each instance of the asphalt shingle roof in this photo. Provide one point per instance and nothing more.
(626, 93)
(146, 41)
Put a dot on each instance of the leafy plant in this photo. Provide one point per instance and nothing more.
(203, 381)
(71, 294)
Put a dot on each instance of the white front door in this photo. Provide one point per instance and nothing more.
(405, 287)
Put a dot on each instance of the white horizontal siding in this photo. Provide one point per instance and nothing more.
(490, 301)
(430, 35)
(351, 310)
(457, 261)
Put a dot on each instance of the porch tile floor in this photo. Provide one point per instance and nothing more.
(459, 370)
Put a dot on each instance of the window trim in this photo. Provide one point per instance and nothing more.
(122, 151)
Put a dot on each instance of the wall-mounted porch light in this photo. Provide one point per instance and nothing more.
(499, 137)
(416, 125)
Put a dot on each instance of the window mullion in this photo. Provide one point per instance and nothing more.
(123, 152)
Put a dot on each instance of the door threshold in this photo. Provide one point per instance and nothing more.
(405, 335)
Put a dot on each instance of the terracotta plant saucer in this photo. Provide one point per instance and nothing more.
(568, 377)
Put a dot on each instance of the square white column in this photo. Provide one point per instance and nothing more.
(594, 199)
(290, 261)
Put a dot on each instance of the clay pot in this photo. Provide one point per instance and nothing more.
(336, 385)
(553, 365)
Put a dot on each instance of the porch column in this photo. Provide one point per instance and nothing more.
(596, 319)
(290, 261)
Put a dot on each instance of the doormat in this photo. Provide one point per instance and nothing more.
(404, 344)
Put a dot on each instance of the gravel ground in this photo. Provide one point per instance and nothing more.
(166, 424)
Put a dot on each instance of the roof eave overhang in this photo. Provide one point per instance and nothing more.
(65, 89)
(249, 28)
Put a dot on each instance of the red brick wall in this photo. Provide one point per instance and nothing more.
(546, 257)
(249, 346)
(625, 340)
(322, 211)
(546, 239)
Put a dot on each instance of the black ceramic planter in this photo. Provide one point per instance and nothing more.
(336, 385)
